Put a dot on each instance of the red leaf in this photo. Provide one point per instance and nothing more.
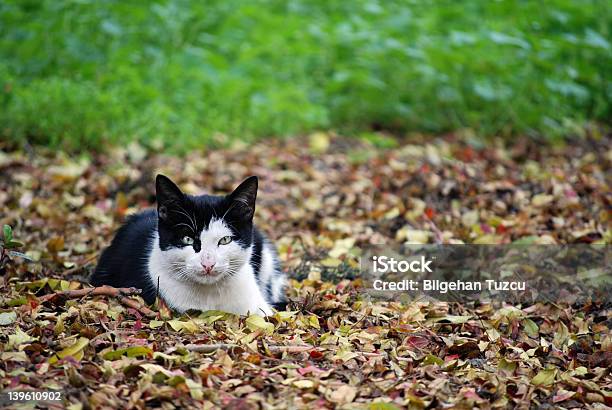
(309, 369)
(138, 324)
(430, 213)
(419, 342)
(501, 229)
(559, 397)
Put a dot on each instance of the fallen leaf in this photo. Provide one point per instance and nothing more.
(544, 377)
(258, 323)
(75, 350)
(6, 318)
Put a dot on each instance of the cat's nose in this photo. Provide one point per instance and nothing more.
(208, 266)
(208, 262)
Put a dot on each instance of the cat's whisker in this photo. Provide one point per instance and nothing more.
(187, 225)
(183, 211)
(229, 209)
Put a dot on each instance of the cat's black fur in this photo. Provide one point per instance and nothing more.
(123, 263)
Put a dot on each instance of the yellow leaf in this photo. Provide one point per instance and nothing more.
(470, 218)
(493, 334)
(453, 319)
(488, 239)
(59, 325)
(313, 204)
(14, 356)
(345, 355)
(283, 316)
(318, 142)
(414, 236)
(68, 171)
(195, 389)
(256, 322)
(392, 213)
(211, 316)
(331, 262)
(382, 406)
(75, 350)
(544, 377)
(55, 244)
(542, 199)
(313, 320)
(133, 351)
(431, 359)
(531, 328)
(154, 324)
(20, 337)
(342, 247)
(188, 327)
(343, 394)
(303, 384)
(507, 366)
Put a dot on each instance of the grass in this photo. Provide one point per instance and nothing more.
(82, 74)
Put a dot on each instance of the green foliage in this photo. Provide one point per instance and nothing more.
(80, 74)
(8, 242)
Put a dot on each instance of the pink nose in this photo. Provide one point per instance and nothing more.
(208, 262)
(208, 266)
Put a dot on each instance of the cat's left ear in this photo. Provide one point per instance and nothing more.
(244, 198)
(168, 195)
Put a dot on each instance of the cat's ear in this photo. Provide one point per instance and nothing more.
(243, 198)
(168, 195)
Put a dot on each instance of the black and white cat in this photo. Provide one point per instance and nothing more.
(203, 251)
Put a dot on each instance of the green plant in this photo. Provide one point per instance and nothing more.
(81, 75)
(7, 247)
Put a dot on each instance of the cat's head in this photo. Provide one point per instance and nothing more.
(206, 238)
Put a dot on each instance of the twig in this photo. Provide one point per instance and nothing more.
(210, 348)
(115, 333)
(226, 346)
(80, 265)
(371, 354)
(134, 304)
(120, 293)
(290, 349)
(103, 290)
(438, 234)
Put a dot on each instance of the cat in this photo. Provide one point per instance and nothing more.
(197, 252)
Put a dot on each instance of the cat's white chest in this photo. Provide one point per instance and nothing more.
(239, 293)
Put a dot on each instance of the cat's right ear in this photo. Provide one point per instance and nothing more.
(168, 195)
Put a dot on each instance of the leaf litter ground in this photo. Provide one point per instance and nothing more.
(321, 200)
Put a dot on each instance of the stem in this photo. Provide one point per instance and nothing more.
(226, 346)
(119, 293)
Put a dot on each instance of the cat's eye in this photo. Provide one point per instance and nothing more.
(187, 240)
(225, 240)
